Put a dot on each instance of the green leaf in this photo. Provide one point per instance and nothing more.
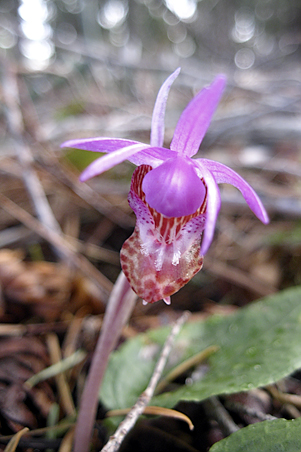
(128, 373)
(268, 436)
(259, 345)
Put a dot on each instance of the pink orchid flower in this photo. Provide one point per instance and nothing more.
(175, 198)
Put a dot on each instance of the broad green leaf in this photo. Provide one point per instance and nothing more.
(259, 345)
(268, 436)
(128, 373)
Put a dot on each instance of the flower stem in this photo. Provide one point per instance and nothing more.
(120, 306)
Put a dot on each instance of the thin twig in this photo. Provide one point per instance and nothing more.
(33, 329)
(186, 365)
(284, 397)
(218, 412)
(55, 239)
(243, 409)
(61, 172)
(238, 277)
(31, 180)
(13, 444)
(144, 399)
(61, 381)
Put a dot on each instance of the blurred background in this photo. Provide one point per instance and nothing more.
(209, 34)
(74, 68)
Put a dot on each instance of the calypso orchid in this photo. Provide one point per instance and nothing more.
(175, 198)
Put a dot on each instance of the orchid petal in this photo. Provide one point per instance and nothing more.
(157, 130)
(213, 204)
(161, 256)
(224, 174)
(153, 156)
(196, 118)
(106, 162)
(98, 144)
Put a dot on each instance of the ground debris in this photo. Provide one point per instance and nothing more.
(20, 359)
(41, 289)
